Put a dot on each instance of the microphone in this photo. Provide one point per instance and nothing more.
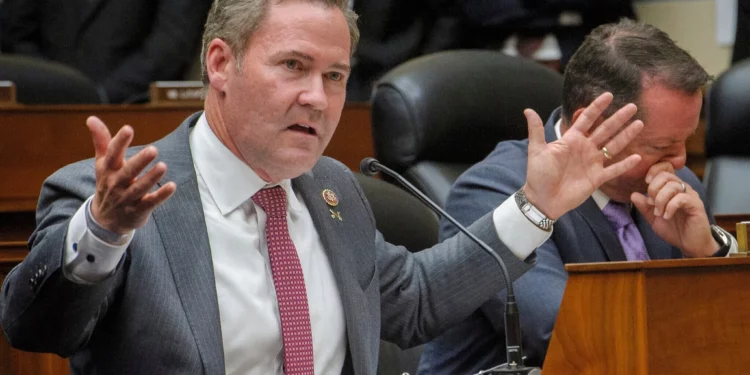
(513, 349)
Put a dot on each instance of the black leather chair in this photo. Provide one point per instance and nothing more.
(727, 174)
(435, 116)
(46, 82)
(403, 220)
(401, 217)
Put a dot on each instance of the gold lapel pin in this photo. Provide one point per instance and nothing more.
(332, 200)
(335, 214)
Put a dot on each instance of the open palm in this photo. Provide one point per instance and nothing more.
(563, 174)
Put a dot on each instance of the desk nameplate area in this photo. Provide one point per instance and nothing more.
(168, 93)
(7, 93)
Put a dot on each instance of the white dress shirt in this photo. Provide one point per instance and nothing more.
(251, 329)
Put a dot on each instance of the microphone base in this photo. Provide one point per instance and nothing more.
(511, 370)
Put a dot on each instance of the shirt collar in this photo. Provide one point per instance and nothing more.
(600, 198)
(229, 180)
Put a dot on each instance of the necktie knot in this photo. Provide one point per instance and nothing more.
(272, 200)
(618, 214)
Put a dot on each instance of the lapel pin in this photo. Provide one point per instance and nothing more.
(330, 197)
(335, 214)
(332, 200)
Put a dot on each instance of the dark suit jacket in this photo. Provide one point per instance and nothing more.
(581, 235)
(123, 45)
(158, 312)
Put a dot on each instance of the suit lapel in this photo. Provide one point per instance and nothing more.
(589, 211)
(549, 127)
(342, 258)
(602, 229)
(182, 228)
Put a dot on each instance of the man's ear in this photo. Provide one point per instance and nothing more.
(219, 63)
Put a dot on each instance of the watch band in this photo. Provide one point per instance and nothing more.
(532, 213)
(721, 236)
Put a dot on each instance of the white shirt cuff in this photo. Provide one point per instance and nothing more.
(516, 231)
(87, 258)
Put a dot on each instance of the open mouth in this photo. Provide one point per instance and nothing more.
(303, 128)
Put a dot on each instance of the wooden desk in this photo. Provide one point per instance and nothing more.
(35, 141)
(657, 317)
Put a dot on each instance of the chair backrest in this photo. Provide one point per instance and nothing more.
(434, 116)
(403, 220)
(727, 173)
(46, 82)
(400, 217)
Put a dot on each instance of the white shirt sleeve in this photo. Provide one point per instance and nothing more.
(516, 231)
(89, 259)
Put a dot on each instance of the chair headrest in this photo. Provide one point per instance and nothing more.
(728, 113)
(46, 82)
(455, 106)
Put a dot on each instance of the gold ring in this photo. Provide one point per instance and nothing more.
(606, 153)
(684, 188)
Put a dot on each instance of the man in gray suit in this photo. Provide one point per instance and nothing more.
(639, 64)
(252, 254)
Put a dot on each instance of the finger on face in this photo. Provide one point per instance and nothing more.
(613, 124)
(536, 128)
(659, 181)
(619, 168)
(592, 112)
(100, 135)
(115, 156)
(662, 166)
(146, 182)
(621, 140)
(667, 193)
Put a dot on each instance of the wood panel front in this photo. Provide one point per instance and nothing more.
(694, 316)
(597, 331)
(686, 316)
(35, 141)
(16, 362)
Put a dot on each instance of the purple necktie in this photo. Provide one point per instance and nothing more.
(630, 238)
(296, 333)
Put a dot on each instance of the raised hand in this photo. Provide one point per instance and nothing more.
(563, 174)
(123, 200)
(675, 212)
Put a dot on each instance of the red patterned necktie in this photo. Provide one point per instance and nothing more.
(289, 282)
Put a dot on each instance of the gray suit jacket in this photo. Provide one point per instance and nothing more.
(582, 235)
(158, 312)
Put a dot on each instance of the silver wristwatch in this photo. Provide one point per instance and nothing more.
(532, 213)
(721, 236)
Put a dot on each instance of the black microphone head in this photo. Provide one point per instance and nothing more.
(368, 166)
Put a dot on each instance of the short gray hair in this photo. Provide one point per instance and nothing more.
(235, 21)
